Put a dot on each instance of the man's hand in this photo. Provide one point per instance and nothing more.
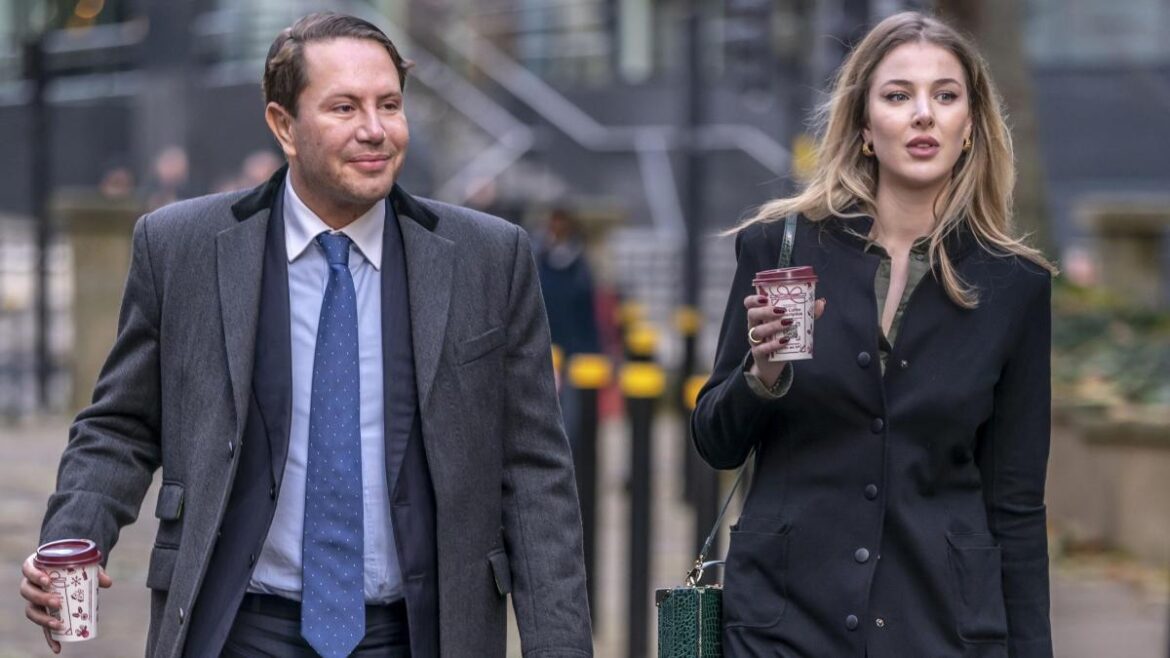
(34, 588)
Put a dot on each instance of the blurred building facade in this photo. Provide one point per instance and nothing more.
(664, 124)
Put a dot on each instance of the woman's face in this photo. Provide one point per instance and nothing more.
(919, 113)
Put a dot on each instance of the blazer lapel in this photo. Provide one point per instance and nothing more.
(429, 266)
(239, 267)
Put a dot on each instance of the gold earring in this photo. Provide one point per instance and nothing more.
(867, 149)
(968, 143)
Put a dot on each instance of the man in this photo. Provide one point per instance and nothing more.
(349, 393)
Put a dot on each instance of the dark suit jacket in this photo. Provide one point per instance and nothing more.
(481, 481)
(900, 515)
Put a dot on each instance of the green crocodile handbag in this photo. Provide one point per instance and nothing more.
(690, 617)
(690, 621)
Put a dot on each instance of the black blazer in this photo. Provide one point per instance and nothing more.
(897, 516)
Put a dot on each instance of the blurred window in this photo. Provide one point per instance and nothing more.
(1098, 31)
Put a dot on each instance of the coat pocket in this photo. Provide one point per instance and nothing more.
(169, 512)
(479, 346)
(755, 589)
(162, 568)
(976, 565)
(501, 572)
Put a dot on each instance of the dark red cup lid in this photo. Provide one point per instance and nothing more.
(68, 551)
(803, 273)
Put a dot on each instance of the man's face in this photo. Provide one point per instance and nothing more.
(348, 140)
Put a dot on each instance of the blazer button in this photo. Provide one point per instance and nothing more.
(272, 492)
(182, 616)
(861, 555)
(863, 359)
(231, 449)
(851, 622)
(871, 491)
(903, 364)
(877, 426)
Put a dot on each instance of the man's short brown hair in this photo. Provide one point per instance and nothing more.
(284, 68)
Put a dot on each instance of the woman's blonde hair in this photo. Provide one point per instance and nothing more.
(979, 191)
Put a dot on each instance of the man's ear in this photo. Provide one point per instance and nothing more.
(280, 122)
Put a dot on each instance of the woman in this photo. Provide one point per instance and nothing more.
(897, 505)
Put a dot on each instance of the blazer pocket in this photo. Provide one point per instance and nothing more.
(162, 568)
(976, 565)
(479, 346)
(755, 581)
(501, 571)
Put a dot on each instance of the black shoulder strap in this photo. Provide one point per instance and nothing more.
(789, 240)
(701, 564)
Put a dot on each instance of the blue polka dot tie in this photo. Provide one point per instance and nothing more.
(332, 607)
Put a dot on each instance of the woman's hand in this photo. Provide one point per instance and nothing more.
(768, 331)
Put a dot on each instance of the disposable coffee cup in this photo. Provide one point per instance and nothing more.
(793, 289)
(72, 565)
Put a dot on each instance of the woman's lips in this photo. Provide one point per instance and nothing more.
(922, 148)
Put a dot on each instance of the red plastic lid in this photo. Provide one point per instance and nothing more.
(804, 273)
(68, 551)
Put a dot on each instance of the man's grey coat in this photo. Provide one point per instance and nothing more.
(177, 390)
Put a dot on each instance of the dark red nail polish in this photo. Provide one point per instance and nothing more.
(783, 341)
(777, 310)
(786, 322)
(762, 300)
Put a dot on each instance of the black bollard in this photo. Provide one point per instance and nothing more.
(587, 374)
(643, 384)
(688, 321)
(704, 482)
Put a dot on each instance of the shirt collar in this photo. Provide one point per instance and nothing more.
(302, 226)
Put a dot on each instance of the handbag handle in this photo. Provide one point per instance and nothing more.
(696, 572)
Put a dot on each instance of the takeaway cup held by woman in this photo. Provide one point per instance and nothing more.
(792, 289)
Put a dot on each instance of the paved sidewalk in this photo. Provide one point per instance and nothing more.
(1097, 611)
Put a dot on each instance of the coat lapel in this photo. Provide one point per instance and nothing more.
(429, 268)
(239, 266)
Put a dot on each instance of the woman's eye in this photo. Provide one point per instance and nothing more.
(897, 96)
(948, 96)
(343, 108)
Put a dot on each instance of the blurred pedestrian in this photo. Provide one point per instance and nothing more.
(566, 282)
(349, 392)
(897, 506)
(169, 182)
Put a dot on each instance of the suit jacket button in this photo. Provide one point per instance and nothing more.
(272, 492)
(871, 491)
(861, 555)
(182, 616)
(877, 425)
(231, 449)
(864, 359)
(851, 622)
(903, 364)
